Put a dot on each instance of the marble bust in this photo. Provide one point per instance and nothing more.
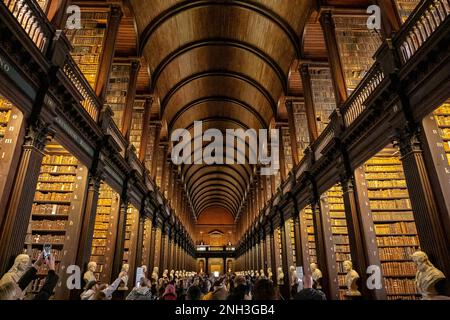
(350, 280)
(269, 273)
(155, 274)
(280, 278)
(427, 275)
(124, 271)
(316, 275)
(21, 264)
(261, 273)
(89, 274)
(293, 275)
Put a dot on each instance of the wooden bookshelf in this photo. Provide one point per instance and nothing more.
(285, 135)
(442, 116)
(105, 232)
(357, 46)
(130, 246)
(311, 236)
(323, 95)
(137, 123)
(405, 8)
(88, 42)
(340, 233)
(146, 243)
(393, 219)
(290, 233)
(279, 248)
(11, 132)
(301, 127)
(150, 148)
(116, 95)
(56, 210)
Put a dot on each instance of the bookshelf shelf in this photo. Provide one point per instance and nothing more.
(56, 207)
(116, 95)
(339, 232)
(442, 117)
(87, 43)
(104, 232)
(311, 236)
(137, 125)
(394, 223)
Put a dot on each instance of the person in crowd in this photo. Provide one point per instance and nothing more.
(194, 293)
(240, 293)
(141, 292)
(154, 288)
(264, 290)
(169, 293)
(98, 291)
(208, 290)
(14, 291)
(220, 291)
(240, 280)
(308, 292)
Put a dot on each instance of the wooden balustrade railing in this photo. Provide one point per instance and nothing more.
(33, 21)
(420, 26)
(90, 100)
(355, 104)
(323, 140)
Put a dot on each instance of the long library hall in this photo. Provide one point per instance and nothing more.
(114, 179)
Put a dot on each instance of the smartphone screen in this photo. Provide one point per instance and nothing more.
(47, 250)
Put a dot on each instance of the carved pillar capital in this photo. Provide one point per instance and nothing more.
(38, 135)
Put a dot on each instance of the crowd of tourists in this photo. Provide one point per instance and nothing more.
(180, 285)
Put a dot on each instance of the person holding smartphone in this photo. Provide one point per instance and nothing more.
(50, 281)
(15, 291)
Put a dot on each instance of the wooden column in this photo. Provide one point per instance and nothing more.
(88, 222)
(140, 243)
(391, 21)
(18, 211)
(337, 72)
(299, 248)
(165, 169)
(284, 288)
(120, 239)
(263, 246)
(108, 50)
(309, 103)
(304, 244)
(163, 250)
(155, 149)
(264, 189)
(258, 195)
(292, 132)
(129, 104)
(57, 14)
(356, 237)
(273, 252)
(152, 244)
(169, 178)
(431, 226)
(282, 160)
(169, 249)
(145, 129)
(325, 249)
(272, 182)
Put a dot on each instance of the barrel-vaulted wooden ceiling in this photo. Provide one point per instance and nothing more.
(225, 62)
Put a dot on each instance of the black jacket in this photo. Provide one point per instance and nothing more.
(47, 290)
